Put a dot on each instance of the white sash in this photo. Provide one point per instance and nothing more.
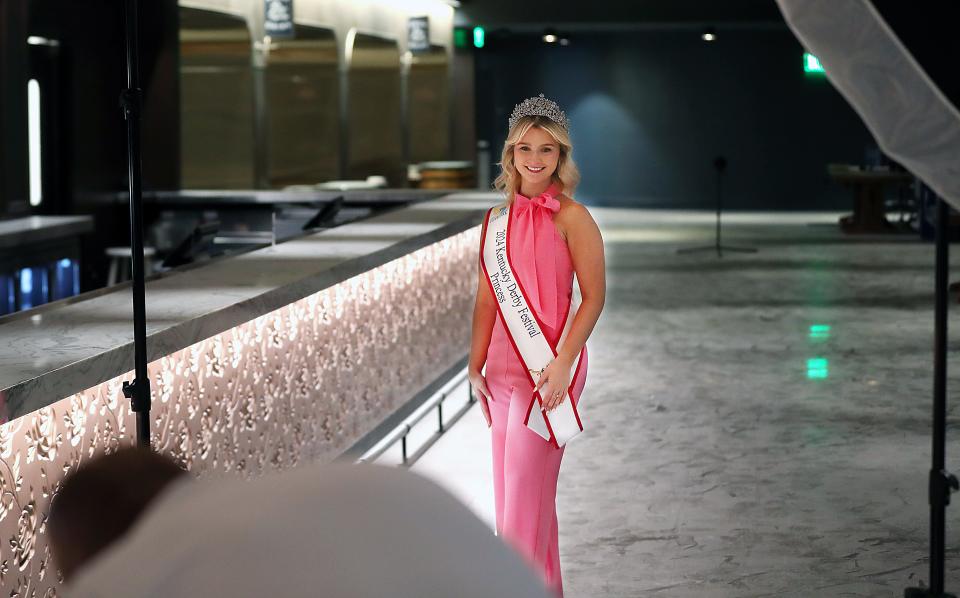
(524, 330)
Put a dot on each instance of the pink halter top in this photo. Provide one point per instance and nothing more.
(542, 263)
(540, 256)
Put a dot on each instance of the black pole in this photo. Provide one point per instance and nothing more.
(941, 482)
(939, 479)
(720, 163)
(130, 100)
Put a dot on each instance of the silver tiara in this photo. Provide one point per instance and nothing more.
(538, 106)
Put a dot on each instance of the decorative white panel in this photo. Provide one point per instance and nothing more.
(299, 384)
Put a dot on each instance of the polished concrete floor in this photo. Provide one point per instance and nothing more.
(756, 424)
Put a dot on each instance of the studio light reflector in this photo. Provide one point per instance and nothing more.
(891, 73)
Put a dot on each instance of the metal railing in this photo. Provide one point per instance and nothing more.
(401, 432)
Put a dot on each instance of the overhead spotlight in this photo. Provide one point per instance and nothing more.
(709, 35)
(35, 40)
(550, 36)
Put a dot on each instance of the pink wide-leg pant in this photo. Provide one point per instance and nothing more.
(525, 470)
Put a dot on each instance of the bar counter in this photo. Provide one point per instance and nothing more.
(256, 362)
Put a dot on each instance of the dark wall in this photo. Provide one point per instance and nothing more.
(650, 110)
(93, 72)
(14, 163)
(91, 143)
(496, 13)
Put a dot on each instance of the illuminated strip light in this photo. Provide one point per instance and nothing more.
(33, 131)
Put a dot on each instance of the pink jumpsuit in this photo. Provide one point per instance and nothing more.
(525, 466)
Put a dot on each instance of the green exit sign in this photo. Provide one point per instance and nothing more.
(811, 64)
(463, 36)
(460, 37)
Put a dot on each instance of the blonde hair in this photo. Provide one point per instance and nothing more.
(566, 173)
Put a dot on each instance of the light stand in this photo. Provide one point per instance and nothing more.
(942, 482)
(137, 391)
(719, 164)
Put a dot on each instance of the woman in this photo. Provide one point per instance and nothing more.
(551, 238)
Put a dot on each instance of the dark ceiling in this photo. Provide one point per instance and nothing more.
(581, 14)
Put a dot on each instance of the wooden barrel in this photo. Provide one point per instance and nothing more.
(446, 175)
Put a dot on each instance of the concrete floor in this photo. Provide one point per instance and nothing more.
(718, 460)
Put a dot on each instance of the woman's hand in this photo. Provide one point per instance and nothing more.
(554, 382)
(479, 385)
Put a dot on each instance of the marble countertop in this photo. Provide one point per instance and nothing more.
(66, 349)
(34, 229)
(247, 198)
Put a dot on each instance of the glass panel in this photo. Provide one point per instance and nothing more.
(33, 287)
(7, 296)
(67, 279)
(374, 110)
(429, 106)
(216, 100)
(302, 97)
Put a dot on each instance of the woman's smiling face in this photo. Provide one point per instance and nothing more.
(536, 155)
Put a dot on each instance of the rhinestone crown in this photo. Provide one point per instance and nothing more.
(538, 106)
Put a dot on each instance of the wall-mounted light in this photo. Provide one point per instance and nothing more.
(550, 36)
(564, 39)
(479, 36)
(709, 35)
(33, 142)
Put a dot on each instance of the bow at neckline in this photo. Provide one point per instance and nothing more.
(546, 200)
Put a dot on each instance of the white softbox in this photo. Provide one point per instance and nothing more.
(913, 121)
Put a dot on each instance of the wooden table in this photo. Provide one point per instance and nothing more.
(868, 205)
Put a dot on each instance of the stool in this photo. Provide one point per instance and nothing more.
(120, 263)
